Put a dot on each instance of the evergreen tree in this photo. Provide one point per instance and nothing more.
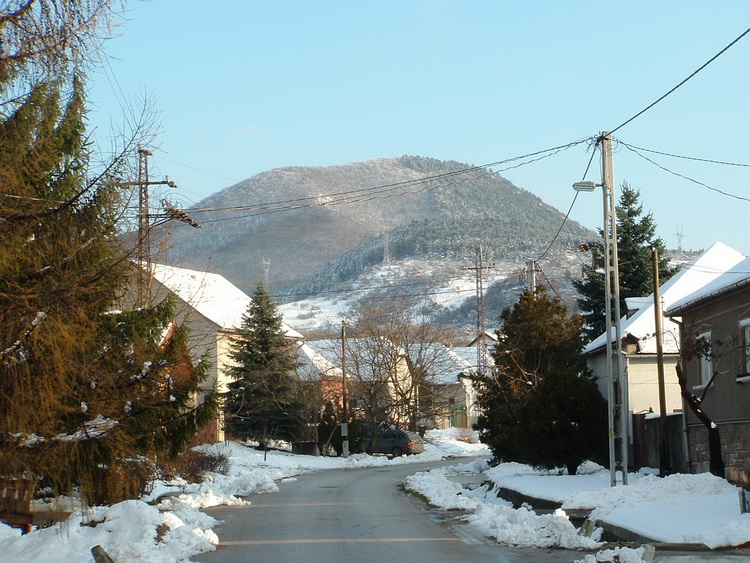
(89, 398)
(636, 235)
(264, 400)
(539, 405)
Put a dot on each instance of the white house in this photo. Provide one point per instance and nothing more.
(639, 333)
(212, 308)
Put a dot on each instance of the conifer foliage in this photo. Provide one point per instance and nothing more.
(636, 235)
(539, 405)
(264, 401)
(90, 398)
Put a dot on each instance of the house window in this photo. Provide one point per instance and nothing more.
(706, 366)
(745, 343)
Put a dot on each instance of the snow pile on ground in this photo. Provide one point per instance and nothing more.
(495, 517)
(167, 525)
(676, 509)
(129, 531)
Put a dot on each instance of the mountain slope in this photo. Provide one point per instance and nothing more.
(330, 221)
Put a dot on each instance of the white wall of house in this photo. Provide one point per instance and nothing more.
(643, 380)
(643, 384)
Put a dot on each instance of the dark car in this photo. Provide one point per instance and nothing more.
(396, 442)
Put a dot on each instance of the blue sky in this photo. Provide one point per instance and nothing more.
(246, 86)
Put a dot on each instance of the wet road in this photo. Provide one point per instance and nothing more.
(352, 516)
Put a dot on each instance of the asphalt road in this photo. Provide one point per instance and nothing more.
(355, 515)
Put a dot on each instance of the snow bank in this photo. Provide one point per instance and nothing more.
(679, 508)
(174, 528)
(494, 517)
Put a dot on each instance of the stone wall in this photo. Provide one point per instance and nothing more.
(735, 449)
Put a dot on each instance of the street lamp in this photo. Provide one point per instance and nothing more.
(585, 186)
(617, 383)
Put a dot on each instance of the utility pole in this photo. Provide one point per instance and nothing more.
(663, 436)
(143, 254)
(266, 269)
(344, 400)
(617, 396)
(143, 244)
(479, 268)
(531, 276)
(679, 236)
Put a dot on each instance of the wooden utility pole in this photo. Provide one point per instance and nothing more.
(663, 428)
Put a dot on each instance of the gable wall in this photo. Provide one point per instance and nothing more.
(726, 402)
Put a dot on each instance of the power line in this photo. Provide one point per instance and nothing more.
(570, 209)
(688, 178)
(712, 59)
(554, 290)
(360, 195)
(707, 160)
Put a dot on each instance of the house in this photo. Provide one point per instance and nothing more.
(212, 308)
(638, 331)
(718, 315)
(379, 382)
(444, 397)
(454, 388)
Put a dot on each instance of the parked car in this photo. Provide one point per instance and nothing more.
(395, 442)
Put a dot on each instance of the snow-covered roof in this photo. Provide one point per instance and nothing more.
(734, 278)
(212, 295)
(445, 363)
(314, 362)
(461, 360)
(698, 274)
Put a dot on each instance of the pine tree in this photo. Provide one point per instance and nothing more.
(90, 398)
(264, 400)
(636, 235)
(539, 405)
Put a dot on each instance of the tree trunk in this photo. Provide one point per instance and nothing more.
(716, 462)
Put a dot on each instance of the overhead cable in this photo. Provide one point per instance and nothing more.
(688, 178)
(712, 59)
(570, 209)
(384, 191)
(707, 160)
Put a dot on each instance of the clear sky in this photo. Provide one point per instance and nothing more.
(243, 86)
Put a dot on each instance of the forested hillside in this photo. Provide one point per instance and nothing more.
(313, 225)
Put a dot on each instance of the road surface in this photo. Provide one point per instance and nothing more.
(354, 515)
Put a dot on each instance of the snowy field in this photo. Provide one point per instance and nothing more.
(168, 525)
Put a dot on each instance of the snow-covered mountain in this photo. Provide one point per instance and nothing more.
(307, 229)
(441, 287)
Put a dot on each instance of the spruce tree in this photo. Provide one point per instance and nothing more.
(636, 235)
(539, 405)
(265, 399)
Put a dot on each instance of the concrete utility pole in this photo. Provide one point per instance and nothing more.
(344, 399)
(617, 393)
(663, 436)
(143, 249)
(531, 276)
(143, 255)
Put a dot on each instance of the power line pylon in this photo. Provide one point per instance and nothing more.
(479, 268)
